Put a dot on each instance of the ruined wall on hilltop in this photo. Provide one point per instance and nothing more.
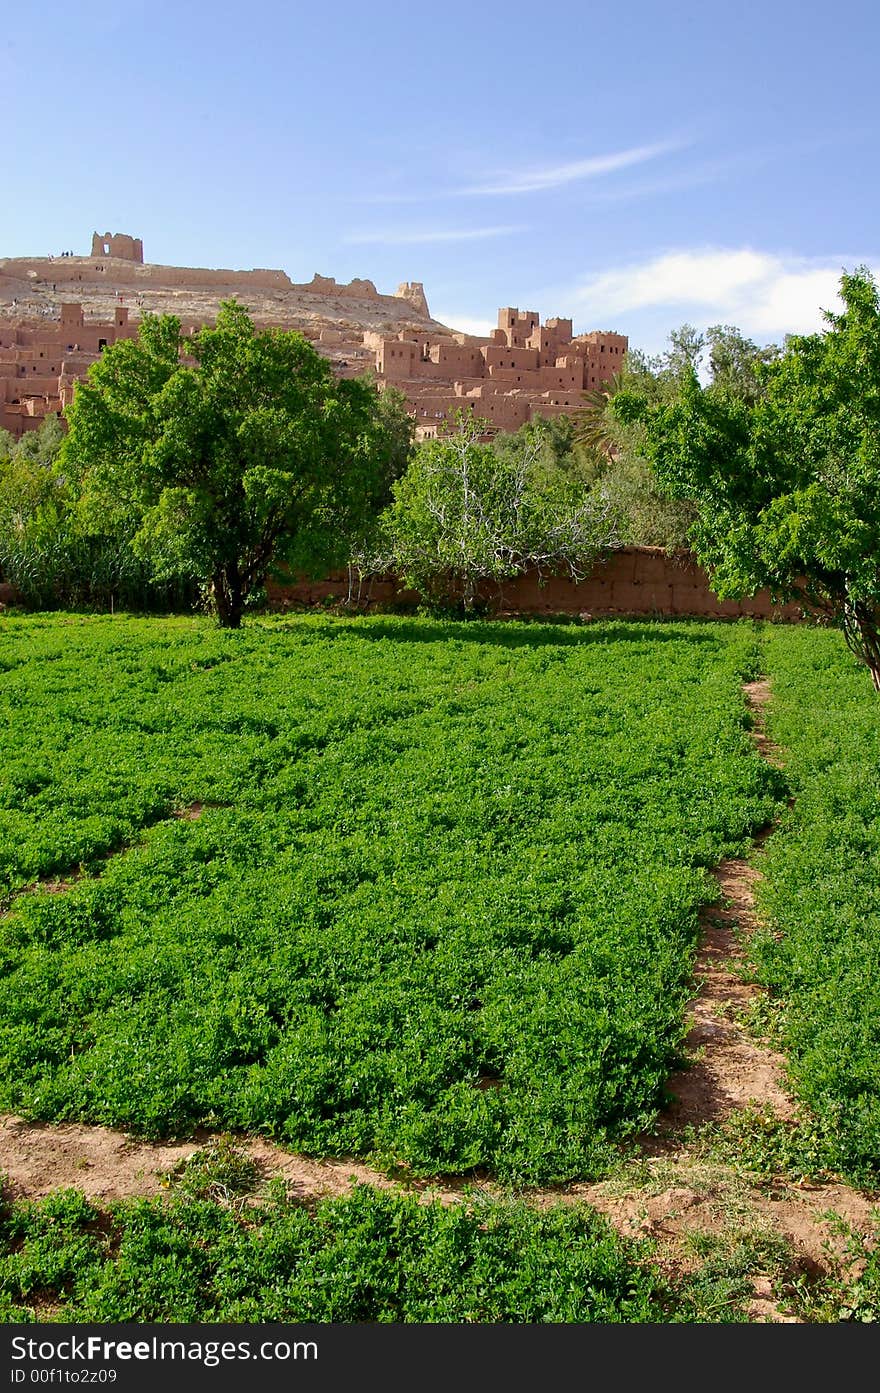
(109, 270)
(414, 291)
(118, 244)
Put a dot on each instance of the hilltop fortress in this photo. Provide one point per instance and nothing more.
(58, 314)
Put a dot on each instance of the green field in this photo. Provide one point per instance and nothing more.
(420, 892)
(440, 905)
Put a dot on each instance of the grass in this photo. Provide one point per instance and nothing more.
(434, 904)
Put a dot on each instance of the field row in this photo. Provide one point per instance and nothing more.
(820, 958)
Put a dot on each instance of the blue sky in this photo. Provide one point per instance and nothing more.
(633, 166)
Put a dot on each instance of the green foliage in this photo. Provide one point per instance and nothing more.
(723, 1284)
(645, 516)
(735, 362)
(855, 1292)
(647, 512)
(441, 901)
(622, 478)
(369, 1256)
(553, 447)
(467, 512)
(51, 554)
(822, 893)
(249, 455)
(787, 485)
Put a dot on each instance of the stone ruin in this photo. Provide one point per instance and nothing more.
(118, 244)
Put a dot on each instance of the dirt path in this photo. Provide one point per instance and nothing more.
(669, 1192)
(680, 1197)
(39, 1157)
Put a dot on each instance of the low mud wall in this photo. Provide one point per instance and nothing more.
(634, 580)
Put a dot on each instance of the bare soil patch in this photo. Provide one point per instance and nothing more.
(727, 1068)
(39, 1157)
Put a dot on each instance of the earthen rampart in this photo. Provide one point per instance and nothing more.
(83, 270)
(642, 581)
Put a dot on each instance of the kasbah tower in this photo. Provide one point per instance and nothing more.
(58, 314)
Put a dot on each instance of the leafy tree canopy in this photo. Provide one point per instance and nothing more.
(466, 511)
(786, 484)
(230, 453)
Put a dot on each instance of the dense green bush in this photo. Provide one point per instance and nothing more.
(47, 552)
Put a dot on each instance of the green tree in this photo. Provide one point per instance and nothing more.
(787, 486)
(685, 351)
(229, 454)
(465, 513)
(34, 528)
(45, 550)
(734, 361)
(622, 477)
(553, 447)
(366, 549)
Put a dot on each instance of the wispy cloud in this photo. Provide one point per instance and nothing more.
(764, 294)
(399, 237)
(539, 179)
(535, 178)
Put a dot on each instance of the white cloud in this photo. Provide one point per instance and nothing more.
(400, 237)
(553, 176)
(482, 328)
(764, 294)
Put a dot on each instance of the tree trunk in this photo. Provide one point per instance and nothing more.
(861, 629)
(228, 597)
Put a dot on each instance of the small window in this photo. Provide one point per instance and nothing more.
(102, 344)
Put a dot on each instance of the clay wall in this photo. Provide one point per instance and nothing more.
(503, 356)
(83, 270)
(396, 358)
(566, 376)
(414, 291)
(633, 581)
(327, 285)
(517, 327)
(456, 360)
